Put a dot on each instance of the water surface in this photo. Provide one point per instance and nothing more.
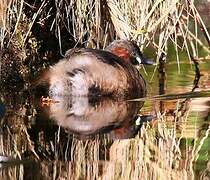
(162, 136)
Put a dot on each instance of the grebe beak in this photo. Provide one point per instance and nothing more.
(143, 60)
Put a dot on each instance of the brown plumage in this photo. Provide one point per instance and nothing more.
(92, 72)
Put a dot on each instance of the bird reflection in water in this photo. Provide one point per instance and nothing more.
(86, 116)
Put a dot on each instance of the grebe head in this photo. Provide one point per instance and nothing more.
(129, 52)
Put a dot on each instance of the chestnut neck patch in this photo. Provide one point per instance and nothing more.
(121, 52)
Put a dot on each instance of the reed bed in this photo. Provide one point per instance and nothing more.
(96, 23)
(155, 153)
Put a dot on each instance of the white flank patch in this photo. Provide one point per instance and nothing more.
(79, 84)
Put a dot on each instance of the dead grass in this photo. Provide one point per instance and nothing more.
(155, 153)
(96, 23)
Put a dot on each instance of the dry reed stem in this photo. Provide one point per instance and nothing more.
(122, 27)
(19, 14)
(33, 21)
(4, 9)
(154, 22)
(148, 22)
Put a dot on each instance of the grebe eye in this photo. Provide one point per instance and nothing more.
(134, 61)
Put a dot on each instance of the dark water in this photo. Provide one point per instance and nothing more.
(162, 136)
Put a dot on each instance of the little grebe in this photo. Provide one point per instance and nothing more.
(92, 72)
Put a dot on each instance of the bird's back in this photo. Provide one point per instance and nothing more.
(87, 72)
